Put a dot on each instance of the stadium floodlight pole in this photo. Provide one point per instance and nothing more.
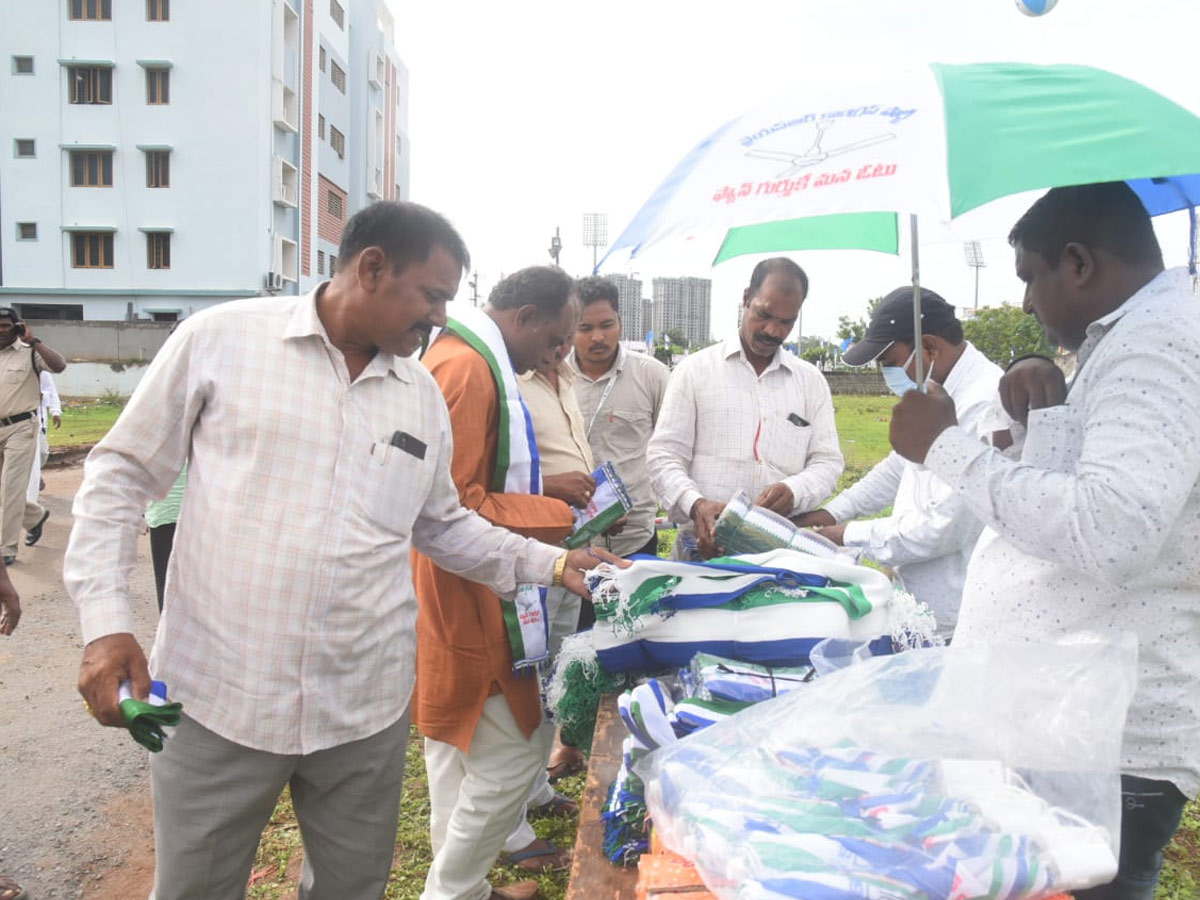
(595, 234)
(555, 245)
(974, 255)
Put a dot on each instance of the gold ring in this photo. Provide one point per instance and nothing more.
(87, 707)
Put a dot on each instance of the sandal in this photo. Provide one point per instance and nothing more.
(560, 806)
(10, 890)
(540, 856)
(565, 762)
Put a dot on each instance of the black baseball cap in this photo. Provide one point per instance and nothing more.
(893, 321)
(7, 312)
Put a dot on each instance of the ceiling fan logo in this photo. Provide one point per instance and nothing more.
(820, 150)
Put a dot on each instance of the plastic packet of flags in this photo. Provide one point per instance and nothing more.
(969, 773)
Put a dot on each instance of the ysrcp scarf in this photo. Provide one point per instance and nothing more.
(517, 471)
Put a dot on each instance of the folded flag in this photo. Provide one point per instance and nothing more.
(745, 528)
(606, 506)
(146, 719)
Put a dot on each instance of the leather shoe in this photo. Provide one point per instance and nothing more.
(34, 534)
(518, 890)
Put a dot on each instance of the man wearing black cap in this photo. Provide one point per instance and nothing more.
(22, 359)
(929, 536)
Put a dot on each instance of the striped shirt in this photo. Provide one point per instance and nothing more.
(289, 618)
(724, 428)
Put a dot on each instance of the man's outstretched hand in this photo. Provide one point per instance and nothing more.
(107, 661)
(580, 561)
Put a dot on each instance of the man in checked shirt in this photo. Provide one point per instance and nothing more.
(318, 455)
(746, 415)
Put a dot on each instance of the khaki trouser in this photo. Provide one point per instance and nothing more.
(18, 444)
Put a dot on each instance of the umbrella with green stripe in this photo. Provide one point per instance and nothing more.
(930, 144)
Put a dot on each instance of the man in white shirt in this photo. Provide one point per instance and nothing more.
(746, 415)
(1095, 527)
(319, 457)
(930, 533)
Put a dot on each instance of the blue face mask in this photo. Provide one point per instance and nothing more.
(897, 379)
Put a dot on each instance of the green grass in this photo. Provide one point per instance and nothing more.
(85, 420)
(862, 424)
(1180, 878)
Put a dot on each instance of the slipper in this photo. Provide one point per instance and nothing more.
(540, 856)
(564, 768)
(10, 890)
(559, 807)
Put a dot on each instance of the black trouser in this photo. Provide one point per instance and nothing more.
(587, 612)
(162, 539)
(1150, 813)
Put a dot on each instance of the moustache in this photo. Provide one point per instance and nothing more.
(765, 339)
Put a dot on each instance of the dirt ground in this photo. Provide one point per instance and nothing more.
(75, 817)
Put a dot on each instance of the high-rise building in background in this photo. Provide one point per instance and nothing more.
(169, 155)
(682, 305)
(634, 322)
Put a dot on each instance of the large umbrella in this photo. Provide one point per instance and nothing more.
(932, 144)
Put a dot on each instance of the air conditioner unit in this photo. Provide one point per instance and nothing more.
(274, 281)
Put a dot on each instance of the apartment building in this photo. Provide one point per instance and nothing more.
(160, 156)
(683, 305)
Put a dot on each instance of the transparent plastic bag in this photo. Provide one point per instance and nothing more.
(987, 771)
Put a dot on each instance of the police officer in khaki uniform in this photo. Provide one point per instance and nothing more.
(22, 359)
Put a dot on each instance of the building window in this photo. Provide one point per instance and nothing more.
(320, 262)
(335, 205)
(91, 10)
(158, 87)
(332, 265)
(321, 58)
(337, 14)
(22, 65)
(158, 10)
(158, 168)
(158, 250)
(92, 250)
(320, 126)
(337, 141)
(338, 76)
(90, 84)
(91, 168)
(27, 231)
(24, 148)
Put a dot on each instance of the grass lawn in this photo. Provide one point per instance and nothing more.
(862, 424)
(85, 420)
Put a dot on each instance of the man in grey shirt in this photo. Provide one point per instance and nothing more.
(619, 394)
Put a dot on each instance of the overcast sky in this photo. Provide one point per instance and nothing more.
(525, 115)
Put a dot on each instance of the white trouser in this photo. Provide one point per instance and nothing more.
(475, 797)
(562, 609)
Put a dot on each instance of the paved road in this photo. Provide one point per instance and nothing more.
(74, 797)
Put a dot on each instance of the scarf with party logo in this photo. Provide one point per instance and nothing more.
(517, 471)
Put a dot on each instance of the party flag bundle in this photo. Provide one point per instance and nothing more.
(146, 719)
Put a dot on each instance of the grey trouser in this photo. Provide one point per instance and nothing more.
(213, 797)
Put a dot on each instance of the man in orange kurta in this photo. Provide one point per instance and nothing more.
(483, 723)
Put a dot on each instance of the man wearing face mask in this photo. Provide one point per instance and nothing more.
(929, 536)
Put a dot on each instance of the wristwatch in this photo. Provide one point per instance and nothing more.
(34, 341)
